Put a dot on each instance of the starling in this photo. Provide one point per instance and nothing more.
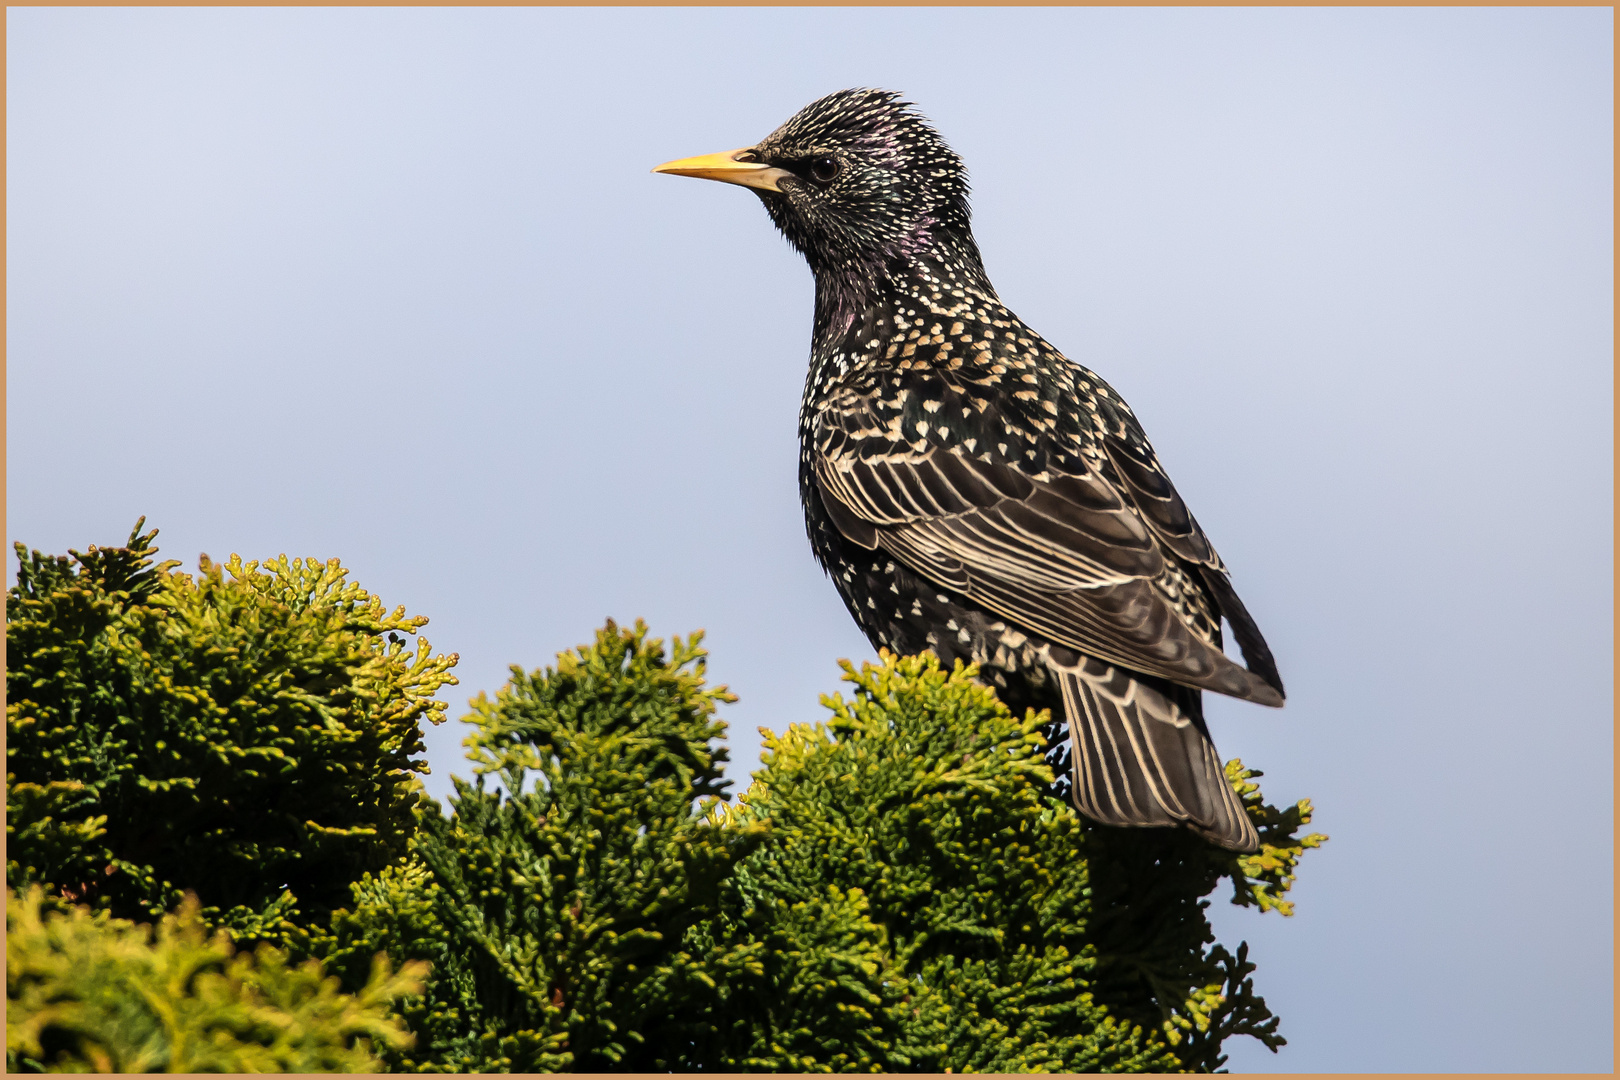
(974, 492)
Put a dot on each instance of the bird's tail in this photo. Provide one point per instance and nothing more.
(1142, 755)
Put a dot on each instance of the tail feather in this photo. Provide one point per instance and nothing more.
(1142, 756)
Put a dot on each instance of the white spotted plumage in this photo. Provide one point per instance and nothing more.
(999, 497)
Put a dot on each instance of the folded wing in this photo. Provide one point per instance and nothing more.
(1107, 560)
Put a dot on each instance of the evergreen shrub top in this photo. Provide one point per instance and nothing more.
(249, 733)
(92, 994)
(898, 890)
(901, 888)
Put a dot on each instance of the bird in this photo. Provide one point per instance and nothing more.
(973, 492)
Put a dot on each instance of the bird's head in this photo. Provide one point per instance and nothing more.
(857, 181)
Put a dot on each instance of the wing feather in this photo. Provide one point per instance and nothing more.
(1107, 561)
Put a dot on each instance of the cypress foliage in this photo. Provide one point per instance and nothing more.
(897, 891)
(1030, 939)
(558, 913)
(92, 994)
(248, 734)
(902, 888)
(928, 798)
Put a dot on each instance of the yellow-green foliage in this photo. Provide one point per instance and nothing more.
(902, 888)
(929, 799)
(555, 913)
(1263, 878)
(897, 891)
(248, 733)
(92, 993)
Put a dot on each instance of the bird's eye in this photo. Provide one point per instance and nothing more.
(823, 168)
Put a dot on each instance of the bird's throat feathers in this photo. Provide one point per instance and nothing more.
(850, 293)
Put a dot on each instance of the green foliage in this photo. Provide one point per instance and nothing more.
(1260, 880)
(557, 912)
(925, 796)
(897, 891)
(91, 993)
(248, 734)
(1022, 950)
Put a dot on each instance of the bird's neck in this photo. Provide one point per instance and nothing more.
(862, 319)
(858, 293)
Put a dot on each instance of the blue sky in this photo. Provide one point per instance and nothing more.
(397, 286)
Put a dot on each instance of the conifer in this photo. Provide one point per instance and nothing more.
(88, 993)
(249, 734)
(902, 887)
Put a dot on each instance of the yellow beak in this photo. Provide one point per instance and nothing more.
(725, 167)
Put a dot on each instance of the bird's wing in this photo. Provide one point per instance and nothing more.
(1104, 559)
(1149, 489)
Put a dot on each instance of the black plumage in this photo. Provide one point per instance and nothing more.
(973, 492)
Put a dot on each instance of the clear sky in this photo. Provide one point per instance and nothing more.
(397, 286)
